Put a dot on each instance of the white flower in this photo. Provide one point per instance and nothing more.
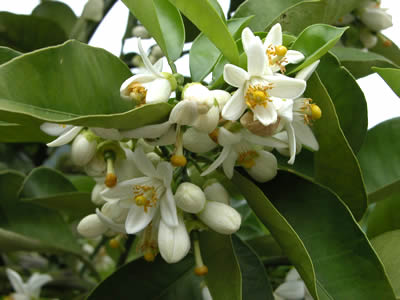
(29, 290)
(150, 87)
(65, 133)
(278, 56)
(190, 198)
(239, 148)
(91, 226)
(143, 196)
(255, 88)
(375, 17)
(293, 288)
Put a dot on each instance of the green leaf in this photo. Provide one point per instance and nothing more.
(36, 223)
(157, 280)
(255, 282)
(266, 12)
(11, 241)
(28, 33)
(58, 12)
(215, 246)
(7, 54)
(15, 133)
(320, 236)
(335, 162)
(314, 42)
(359, 62)
(51, 189)
(164, 23)
(204, 15)
(204, 55)
(348, 98)
(387, 48)
(72, 83)
(385, 245)
(392, 78)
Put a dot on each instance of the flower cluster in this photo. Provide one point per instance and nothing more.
(145, 175)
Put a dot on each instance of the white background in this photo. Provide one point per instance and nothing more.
(382, 102)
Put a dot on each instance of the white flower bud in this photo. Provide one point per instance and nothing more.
(96, 167)
(190, 198)
(265, 167)
(198, 93)
(140, 31)
(173, 243)
(197, 142)
(216, 192)
(291, 290)
(220, 217)
(115, 212)
(184, 113)
(83, 149)
(220, 96)
(368, 39)
(157, 52)
(375, 18)
(91, 226)
(96, 197)
(209, 121)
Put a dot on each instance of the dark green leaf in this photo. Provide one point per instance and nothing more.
(28, 33)
(314, 42)
(72, 83)
(58, 12)
(7, 54)
(392, 78)
(11, 241)
(348, 98)
(164, 23)
(320, 236)
(15, 133)
(359, 62)
(387, 48)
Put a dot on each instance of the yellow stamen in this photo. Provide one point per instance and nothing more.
(178, 160)
(247, 159)
(114, 243)
(140, 200)
(201, 271)
(281, 50)
(149, 256)
(137, 92)
(316, 112)
(257, 95)
(145, 196)
(111, 180)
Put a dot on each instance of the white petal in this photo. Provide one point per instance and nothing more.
(16, 281)
(158, 91)
(66, 137)
(164, 172)
(292, 275)
(209, 121)
(265, 168)
(274, 37)
(291, 290)
(173, 242)
(285, 87)
(221, 158)
(158, 65)
(107, 133)
(167, 138)
(143, 163)
(306, 73)
(110, 223)
(305, 135)
(227, 138)
(146, 60)
(294, 57)
(54, 129)
(123, 190)
(235, 76)
(222, 97)
(285, 110)
(184, 113)
(35, 282)
(266, 115)
(247, 37)
(292, 143)
(168, 209)
(147, 132)
(264, 141)
(229, 164)
(235, 107)
(196, 92)
(256, 58)
(139, 78)
(138, 219)
(197, 141)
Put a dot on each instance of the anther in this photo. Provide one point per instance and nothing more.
(316, 112)
(114, 243)
(178, 160)
(200, 269)
(281, 50)
(149, 256)
(111, 178)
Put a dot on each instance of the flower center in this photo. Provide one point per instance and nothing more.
(247, 159)
(310, 111)
(145, 196)
(276, 56)
(257, 95)
(137, 92)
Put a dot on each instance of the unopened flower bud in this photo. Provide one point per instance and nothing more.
(220, 217)
(197, 142)
(115, 212)
(173, 243)
(375, 18)
(91, 226)
(96, 197)
(198, 93)
(157, 52)
(220, 96)
(184, 113)
(96, 167)
(215, 191)
(140, 31)
(83, 149)
(190, 198)
(368, 39)
(209, 121)
(256, 127)
(265, 167)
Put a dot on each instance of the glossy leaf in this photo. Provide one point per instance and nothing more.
(392, 78)
(265, 12)
(72, 83)
(319, 235)
(204, 55)
(11, 241)
(214, 246)
(348, 98)
(38, 32)
(156, 280)
(387, 48)
(164, 23)
(204, 15)
(50, 188)
(359, 62)
(335, 162)
(314, 42)
(15, 133)
(254, 277)
(385, 245)
(58, 12)
(36, 223)
(7, 54)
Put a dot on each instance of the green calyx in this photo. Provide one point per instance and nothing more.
(171, 79)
